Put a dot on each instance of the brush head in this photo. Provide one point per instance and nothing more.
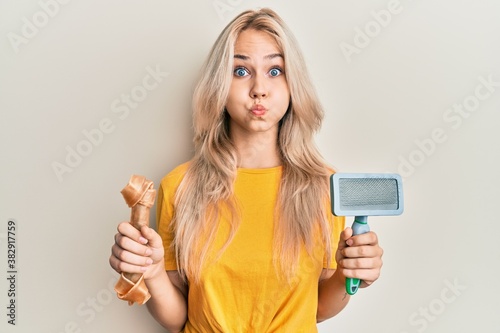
(366, 194)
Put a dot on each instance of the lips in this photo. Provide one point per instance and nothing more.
(258, 110)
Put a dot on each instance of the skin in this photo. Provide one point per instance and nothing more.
(259, 78)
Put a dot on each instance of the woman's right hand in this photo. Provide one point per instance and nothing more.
(137, 251)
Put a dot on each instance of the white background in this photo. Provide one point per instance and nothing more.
(382, 104)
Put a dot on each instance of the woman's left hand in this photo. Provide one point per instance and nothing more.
(359, 256)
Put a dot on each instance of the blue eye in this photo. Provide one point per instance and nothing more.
(275, 72)
(240, 71)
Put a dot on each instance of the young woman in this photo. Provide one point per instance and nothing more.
(246, 241)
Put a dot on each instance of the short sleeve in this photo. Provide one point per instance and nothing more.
(165, 211)
(337, 224)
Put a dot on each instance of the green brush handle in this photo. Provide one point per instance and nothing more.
(359, 226)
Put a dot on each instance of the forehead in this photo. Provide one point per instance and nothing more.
(255, 41)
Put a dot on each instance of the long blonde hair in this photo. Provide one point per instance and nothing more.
(208, 183)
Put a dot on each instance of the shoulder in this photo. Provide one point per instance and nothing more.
(175, 176)
(168, 189)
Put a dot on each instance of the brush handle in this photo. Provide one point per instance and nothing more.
(359, 226)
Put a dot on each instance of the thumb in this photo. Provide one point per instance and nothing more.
(344, 236)
(155, 244)
(154, 240)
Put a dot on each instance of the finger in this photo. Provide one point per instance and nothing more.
(365, 251)
(131, 245)
(121, 266)
(131, 258)
(113, 262)
(368, 276)
(128, 230)
(347, 233)
(152, 237)
(155, 243)
(369, 238)
(344, 236)
(361, 263)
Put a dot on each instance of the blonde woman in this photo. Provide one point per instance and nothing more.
(246, 241)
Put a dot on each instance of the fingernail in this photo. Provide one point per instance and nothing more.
(143, 240)
(149, 261)
(148, 252)
(349, 242)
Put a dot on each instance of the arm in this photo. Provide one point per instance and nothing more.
(168, 304)
(357, 257)
(142, 252)
(332, 297)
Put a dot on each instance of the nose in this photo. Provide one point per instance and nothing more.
(259, 88)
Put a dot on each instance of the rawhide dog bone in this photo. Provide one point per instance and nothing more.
(139, 195)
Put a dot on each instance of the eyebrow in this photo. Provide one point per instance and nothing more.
(269, 56)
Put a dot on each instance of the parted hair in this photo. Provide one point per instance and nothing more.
(207, 187)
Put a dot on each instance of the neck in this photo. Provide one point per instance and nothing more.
(257, 151)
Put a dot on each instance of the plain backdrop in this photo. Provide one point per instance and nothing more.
(408, 86)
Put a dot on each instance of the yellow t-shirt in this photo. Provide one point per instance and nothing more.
(240, 292)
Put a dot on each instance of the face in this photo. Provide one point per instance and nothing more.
(259, 95)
